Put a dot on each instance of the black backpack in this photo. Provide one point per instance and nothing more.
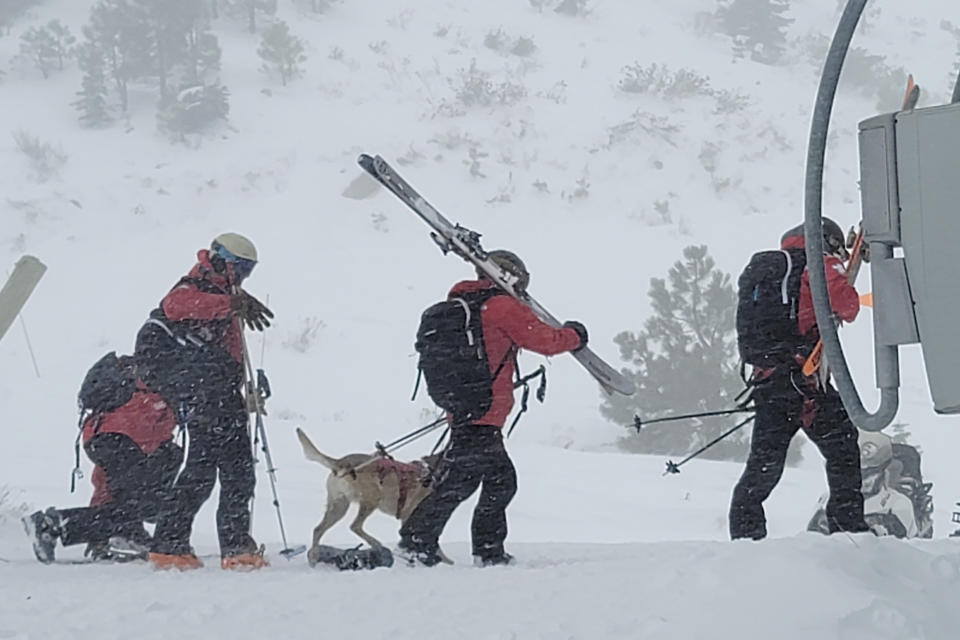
(453, 358)
(768, 300)
(108, 385)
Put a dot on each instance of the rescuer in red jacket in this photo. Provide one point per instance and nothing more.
(476, 455)
(136, 461)
(787, 401)
(190, 350)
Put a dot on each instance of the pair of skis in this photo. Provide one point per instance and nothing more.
(466, 243)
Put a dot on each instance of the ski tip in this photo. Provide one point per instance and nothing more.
(368, 163)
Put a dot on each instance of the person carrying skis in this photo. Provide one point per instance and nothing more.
(476, 454)
(776, 339)
(136, 461)
(191, 350)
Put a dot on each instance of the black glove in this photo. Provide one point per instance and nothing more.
(581, 331)
(250, 310)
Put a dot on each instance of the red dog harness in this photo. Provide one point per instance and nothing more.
(407, 472)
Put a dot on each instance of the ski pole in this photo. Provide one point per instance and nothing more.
(286, 552)
(674, 467)
(638, 422)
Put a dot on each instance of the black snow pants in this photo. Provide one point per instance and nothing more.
(218, 443)
(202, 381)
(476, 455)
(780, 410)
(140, 488)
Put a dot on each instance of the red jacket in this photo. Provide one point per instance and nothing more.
(208, 310)
(146, 419)
(510, 325)
(844, 299)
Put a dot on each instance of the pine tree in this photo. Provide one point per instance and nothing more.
(194, 109)
(10, 10)
(37, 45)
(48, 46)
(117, 31)
(167, 42)
(758, 27)
(249, 9)
(63, 41)
(282, 52)
(686, 362)
(92, 98)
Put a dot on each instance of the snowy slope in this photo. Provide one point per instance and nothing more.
(121, 223)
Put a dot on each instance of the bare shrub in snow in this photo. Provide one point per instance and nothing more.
(730, 102)
(45, 159)
(556, 94)
(581, 189)
(316, 6)
(500, 42)
(474, 87)
(303, 339)
(453, 139)
(475, 155)
(574, 8)
(657, 79)
(379, 220)
(643, 121)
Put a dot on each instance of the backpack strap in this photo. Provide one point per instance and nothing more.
(202, 284)
(784, 285)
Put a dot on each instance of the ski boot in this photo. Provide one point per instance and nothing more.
(418, 557)
(182, 561)
(499, 559)
(43, 528)
(250, 558)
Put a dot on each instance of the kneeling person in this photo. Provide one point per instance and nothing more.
(133, 446)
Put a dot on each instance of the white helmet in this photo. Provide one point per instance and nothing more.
(236, 245)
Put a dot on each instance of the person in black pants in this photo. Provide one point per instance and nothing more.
(476, 455)
(140, 489)
(191, 351)
(133, 447)
(781, 410)
(786, 400)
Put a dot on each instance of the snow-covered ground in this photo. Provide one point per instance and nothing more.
(608, 547)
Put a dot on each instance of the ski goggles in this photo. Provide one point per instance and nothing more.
(242, 267)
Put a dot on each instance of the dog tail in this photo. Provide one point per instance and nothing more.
(312, 453)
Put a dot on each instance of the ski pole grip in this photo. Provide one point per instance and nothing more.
(263, 384)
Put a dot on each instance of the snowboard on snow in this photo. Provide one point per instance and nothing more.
(466, 244)
(21, 283)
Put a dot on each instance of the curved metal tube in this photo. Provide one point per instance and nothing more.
(813, 230)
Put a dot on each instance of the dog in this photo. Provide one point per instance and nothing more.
(372, 481)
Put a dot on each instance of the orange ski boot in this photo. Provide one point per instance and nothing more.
(181, 561)
(250, 561)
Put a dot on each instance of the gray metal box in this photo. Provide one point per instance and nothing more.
(928, 167)
(878, 180)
